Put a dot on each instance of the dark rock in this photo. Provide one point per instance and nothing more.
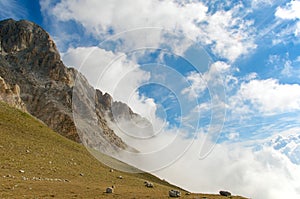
(109, 190)
(225, 193)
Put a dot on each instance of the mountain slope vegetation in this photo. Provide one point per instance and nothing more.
(36, 162)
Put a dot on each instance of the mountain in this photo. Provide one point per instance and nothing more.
(30, 60)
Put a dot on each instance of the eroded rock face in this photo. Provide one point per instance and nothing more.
(11, 95)
(30, 59)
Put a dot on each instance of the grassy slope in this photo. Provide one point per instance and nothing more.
(26, 144)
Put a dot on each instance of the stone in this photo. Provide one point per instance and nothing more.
(174, 193)
(109, 190)
(225, 193)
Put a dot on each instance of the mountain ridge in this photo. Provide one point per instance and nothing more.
(30, 59)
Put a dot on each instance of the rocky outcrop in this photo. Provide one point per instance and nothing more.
(11, 95)
(29, 58)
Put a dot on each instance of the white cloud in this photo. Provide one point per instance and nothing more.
(285, 66)
(144, 136)
(198, 85)
(269, 96)
(99, 17)
(258, 4)
(287, 69)
(288, 143)
(291, 11)
(297, 29)
(274, 59)
(229, 42)
(263, 174)
(220, 66)
(250, 76)
(209, 79)
(229, 35)
(233, 136)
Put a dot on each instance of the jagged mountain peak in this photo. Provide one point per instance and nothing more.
(24, 35)
(29, 50)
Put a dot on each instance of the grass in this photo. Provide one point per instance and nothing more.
(53, 166)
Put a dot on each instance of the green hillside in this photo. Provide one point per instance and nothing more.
(36, 162)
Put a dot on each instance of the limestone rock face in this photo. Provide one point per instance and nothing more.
(18, 36)
(30, 60)
(11, 95)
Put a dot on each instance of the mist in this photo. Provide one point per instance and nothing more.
(241, 168)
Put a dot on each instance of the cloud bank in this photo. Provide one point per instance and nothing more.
(229, 35)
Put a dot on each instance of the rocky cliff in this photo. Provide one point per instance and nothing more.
(30, 59)
(11, 95)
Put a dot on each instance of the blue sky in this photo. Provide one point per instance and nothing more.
(227, 71)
